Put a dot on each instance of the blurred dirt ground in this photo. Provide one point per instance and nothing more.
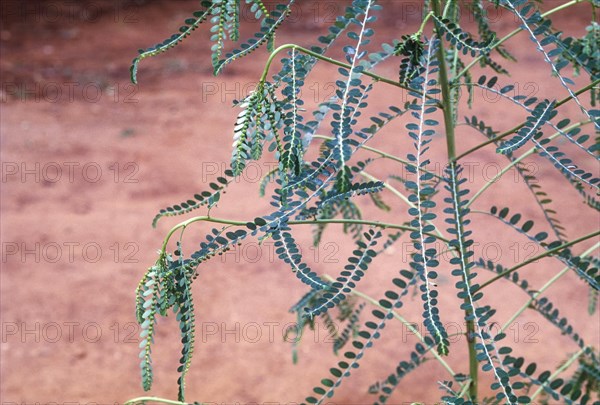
(88, 159)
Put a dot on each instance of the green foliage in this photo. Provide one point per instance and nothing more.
(412, 48)
(485, 343)
(353, 272)
(588, 273)
(205, 198)
(540, 115)
(461, 40)
(288, 251)
(425, 260)
(435, 64)
(579, 178)
(184, 31)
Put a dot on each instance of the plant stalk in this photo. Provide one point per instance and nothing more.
(536, 258)
(205, 218)
(335, 62)
(143, 400)
(451, 146)
(385, 155)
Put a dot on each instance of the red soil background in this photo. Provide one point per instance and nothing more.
(88, 159)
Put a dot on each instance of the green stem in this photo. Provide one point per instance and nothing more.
(558, 371)
(515, 32)
(422, 27)
(536, 258)
(335, 62)
(446, 93)
(143, 400)
(391, 188)
(496, 177)
(518, 160)
(538, 293)
(384, 155)
(205, 218)
(451, 147)
(515, 129)
(396, 315)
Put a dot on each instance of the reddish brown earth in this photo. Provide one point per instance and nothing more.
(87, 159)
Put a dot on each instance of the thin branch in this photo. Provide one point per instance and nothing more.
(518, 160)
(515, 129)
(515, 32)
(540, 256)
(206, 218)
(384, 155)
(558, 371)
(539, 292)
(335, 62)
(143, 400)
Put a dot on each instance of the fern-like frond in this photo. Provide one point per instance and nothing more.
(485, 344)
(567, 167)
(217, 242)
(205, 198)
(480, 13)
(267, 31)
(425, 260)
(348, 91)
(542, 113)
(222, 15)
(542, 305)
(524, 102)
(184, 31)
(480, 126)
(549, 311)
(184, 310)
(257, 123)
(529, 18)
(576, 176)
(412, 48)
(288, 251)
(582, 267)
(354, 190)
(147, 306)
(293, 151)
(352, 274)
(555, 389)
(245, 127)
(542, 198)
(462, 40)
